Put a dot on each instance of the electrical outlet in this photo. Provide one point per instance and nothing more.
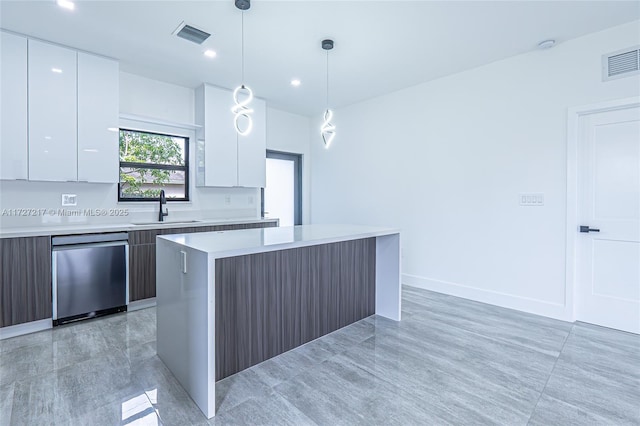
(227, 199)
(250, 200)
(69, 200)
(531, 199)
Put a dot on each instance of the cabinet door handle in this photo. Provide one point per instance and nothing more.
(183, 258)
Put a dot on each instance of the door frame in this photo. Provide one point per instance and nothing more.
(573, 148)
(297, 182)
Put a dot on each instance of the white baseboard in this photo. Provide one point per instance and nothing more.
(26, 328)
(519, 303)
(141, 304)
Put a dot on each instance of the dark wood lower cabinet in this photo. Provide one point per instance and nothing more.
(25, 271)
(142, 271)
(269, 303)
(25, 280)
(142, 254)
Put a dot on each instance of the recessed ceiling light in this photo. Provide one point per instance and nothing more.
(210, 53)
(66, 4)
(295, 82)
(56, 70)
(546, 44)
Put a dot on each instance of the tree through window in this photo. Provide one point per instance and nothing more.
(150, 162)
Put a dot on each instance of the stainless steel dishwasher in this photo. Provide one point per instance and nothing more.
(90, 276)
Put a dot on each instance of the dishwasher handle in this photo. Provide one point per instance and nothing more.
(66, 240)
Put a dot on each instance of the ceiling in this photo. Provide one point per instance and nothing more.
(380, 46)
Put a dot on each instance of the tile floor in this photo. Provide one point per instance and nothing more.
(450, 361)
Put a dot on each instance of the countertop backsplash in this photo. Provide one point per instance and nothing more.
(39, 204)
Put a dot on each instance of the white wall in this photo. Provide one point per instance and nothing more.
(445, 162)
(157, 99)
(289, 132)
(162, 101)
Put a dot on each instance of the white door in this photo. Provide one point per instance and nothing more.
(608, 252)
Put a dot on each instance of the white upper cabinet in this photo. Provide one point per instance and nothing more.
(217, 157)
(13, 121)
(73, 115)
(53, 98)
(252, 150)
(222, 157)
(98, 96)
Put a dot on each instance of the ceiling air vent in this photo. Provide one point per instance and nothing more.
(623, 63)
(190, 33)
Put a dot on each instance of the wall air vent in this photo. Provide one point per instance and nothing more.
(190, 33)
(623, 63)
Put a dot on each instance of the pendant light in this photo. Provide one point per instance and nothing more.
(327, 130)
(241, 109)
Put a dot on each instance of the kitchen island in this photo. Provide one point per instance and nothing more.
(230, 300)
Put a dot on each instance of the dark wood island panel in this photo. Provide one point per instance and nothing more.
(269, 303)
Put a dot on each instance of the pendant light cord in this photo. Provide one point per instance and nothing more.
(327, 79)
(242, 47)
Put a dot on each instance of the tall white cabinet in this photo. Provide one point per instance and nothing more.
(217, 153)
(52, 112)
(223, 158)
(98, 88)
(252, 149)
(13, 107)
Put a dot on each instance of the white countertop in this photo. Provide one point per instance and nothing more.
(34, 231)
(249, 241)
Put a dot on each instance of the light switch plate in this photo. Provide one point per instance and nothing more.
(69, 200)
(531, 199)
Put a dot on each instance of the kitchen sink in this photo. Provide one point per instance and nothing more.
(167, 222)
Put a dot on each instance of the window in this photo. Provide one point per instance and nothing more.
(150, 162)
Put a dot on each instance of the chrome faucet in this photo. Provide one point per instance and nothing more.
(163, 200)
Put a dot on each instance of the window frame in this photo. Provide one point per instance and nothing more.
(155, 166)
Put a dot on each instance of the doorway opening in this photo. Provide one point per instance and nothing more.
(282, 195)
